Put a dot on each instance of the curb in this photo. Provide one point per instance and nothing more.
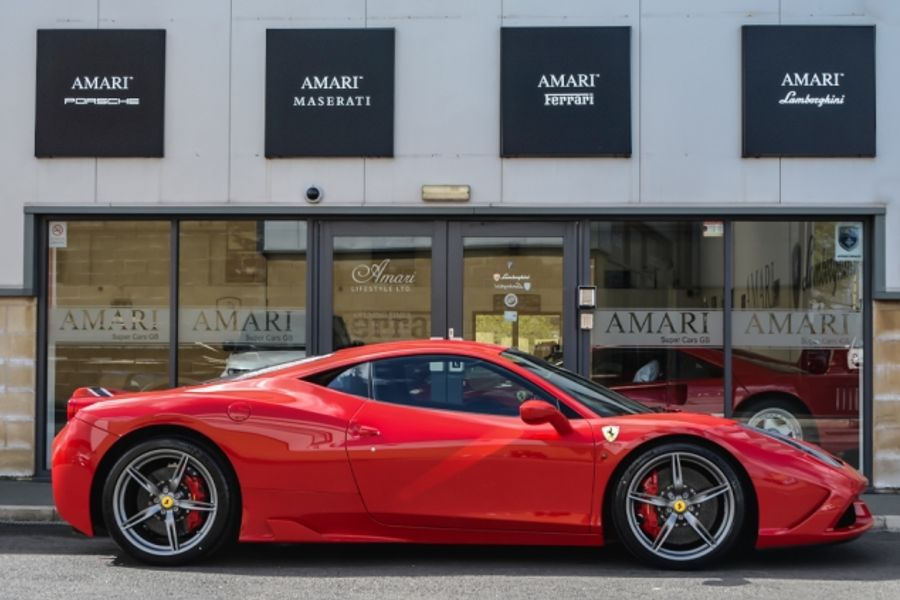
(26, 515)
(29, 515)
(887, 523)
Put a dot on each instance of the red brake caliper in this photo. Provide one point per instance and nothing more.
(648, 513)
(195, 487)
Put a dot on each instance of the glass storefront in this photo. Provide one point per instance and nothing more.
(241, 296)
(107, 310)
(788, 308)
(798, 330)
(512, 293)
(796, 322)
(381, 289)
(657, 333)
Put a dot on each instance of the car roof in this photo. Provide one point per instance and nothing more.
(418, 346)
(380, 350)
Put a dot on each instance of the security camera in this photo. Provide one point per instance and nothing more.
(313, 194)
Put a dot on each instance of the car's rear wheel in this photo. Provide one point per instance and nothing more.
(169, 501)
(679, 505)
(780, 416)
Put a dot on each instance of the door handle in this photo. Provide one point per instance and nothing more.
(362, 431)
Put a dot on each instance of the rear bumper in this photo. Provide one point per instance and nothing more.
(76, 453)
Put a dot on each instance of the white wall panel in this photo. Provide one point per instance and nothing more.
(194, 169)
(255, 179)
(23, 178)
(690, 95)
(582, 181)
(447, 99)
(399, 181)
(686, 121)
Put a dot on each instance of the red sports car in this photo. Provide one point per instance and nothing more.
(436, 442)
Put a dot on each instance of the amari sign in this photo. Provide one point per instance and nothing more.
(566, 91)
(809, 90)
(329, 92)
(749, 328)
(100, 92)
(141, 325)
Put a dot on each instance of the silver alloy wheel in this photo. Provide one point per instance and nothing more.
(152, 501)
(695, 506)
(779, 420)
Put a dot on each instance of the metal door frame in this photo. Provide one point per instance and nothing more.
(324, 272)
(566, 230)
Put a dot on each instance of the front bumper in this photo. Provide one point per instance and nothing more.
(842, 516)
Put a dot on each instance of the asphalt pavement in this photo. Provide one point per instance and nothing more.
(50, 561)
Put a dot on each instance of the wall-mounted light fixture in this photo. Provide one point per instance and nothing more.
(446, 193)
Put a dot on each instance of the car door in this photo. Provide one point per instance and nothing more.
(640, 373)
(441, 445)
(696, 384)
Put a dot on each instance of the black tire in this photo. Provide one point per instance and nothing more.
(163, 521)
(661, 531)
(787, 417)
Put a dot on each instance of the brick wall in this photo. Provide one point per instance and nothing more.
(886, 395)
(17, 358)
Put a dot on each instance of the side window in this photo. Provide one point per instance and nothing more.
(349, 380)
(690, 367)
(452, 383)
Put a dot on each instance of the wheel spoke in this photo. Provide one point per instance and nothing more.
(142, 516)
(709, 494)
(179, 472)
(648, 499)
(196, 505)
(677, 479)
(663, 534)
(697, 526)
(172, 531)
(143, 481)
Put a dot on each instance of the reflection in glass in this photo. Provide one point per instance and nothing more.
(242, 297)
(797, 326)
(382, 289)
(512, 293)
(657, 333)
(108, 316)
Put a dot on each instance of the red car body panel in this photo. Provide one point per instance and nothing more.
(317, 465)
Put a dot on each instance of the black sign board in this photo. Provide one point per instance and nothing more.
(100, 92)
(809, 90)
(566, 91)
(329, 92)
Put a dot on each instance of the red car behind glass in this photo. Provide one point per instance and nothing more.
(816, 399)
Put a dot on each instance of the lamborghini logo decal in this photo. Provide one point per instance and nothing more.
(611, 432)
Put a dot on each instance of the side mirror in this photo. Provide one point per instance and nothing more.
(537, 412)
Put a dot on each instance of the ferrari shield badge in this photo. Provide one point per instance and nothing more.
(611, 432)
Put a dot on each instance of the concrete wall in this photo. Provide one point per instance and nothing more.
(686, 67)
(886, 395)
(17, 351)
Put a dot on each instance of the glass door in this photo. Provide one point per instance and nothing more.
(382, 281)
(513, 284)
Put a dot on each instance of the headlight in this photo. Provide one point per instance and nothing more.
(820, 455)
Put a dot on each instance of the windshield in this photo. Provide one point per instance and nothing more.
(600, 400)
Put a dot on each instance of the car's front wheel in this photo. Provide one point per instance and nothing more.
(169, 501)
(679, 505)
